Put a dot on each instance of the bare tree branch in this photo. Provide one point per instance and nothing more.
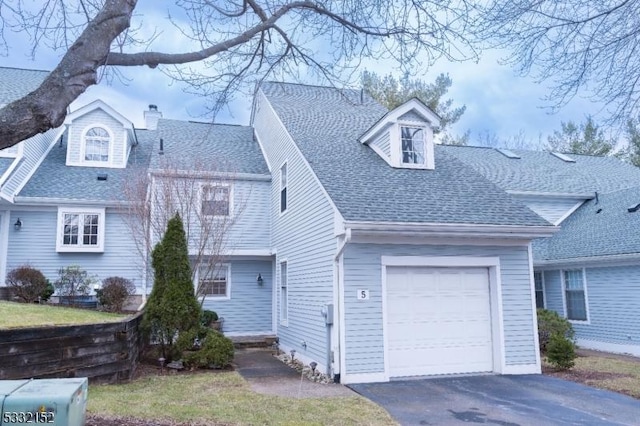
(576, 46)
(236, 41)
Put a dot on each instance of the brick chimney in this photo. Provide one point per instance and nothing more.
(152, 116)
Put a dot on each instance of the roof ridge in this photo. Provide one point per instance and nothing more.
(317, 86)
(24, 69)
(204, 122)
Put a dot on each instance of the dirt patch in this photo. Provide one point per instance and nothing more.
(582, 376)
(94, 420)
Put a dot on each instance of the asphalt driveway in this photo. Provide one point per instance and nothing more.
(500, 400)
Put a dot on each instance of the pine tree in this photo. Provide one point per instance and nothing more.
(172, 307)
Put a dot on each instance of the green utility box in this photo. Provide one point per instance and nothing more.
(59, 402)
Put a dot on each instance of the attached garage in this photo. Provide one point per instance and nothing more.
(438, 320)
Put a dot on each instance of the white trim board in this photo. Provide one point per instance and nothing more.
(5, 218)
(534, 310)
(616, 348)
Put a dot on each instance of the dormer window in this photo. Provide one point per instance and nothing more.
(413, 145)
(404, 136)
(96, 145)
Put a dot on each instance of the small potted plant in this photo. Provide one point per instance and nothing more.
(210, 319)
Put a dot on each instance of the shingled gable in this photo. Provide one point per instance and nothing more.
(392, 136)
(99, 136)
(327, 124)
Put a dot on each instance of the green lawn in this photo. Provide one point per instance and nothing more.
(605, 371)
(19, 315)
(225, 397)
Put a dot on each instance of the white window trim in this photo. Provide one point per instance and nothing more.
(62, 248)
(544, 291)
(396, 145)
(227, 296)
(283, 322)
(83, 146)
(282, 212)
(586, 295)
(227, 185)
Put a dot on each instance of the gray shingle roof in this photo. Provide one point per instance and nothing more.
(542, 172)
(326, 123)
(53, 179)
(586, 232)
(226, 148)
(18, 82)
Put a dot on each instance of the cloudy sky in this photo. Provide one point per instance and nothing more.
(497, 101)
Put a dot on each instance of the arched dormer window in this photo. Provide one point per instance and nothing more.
(97, 141)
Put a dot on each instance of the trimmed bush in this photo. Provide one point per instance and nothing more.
(550, 323)
(74, 281)
(28, 284)
(208, 317)
(215, 351)
(172, 307)
(114, 293)
(561, 352)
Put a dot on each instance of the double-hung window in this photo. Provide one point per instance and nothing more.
(216, 200)
(575, 295)
(539, 288)
(413, 145)
(80, 230)
(96, 145)
(213, 281)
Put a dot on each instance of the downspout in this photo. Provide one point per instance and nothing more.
(338, 309)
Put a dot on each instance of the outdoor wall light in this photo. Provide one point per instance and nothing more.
(259, 279)
(17, 225)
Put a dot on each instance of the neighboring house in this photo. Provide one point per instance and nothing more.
(348, 233)
(589, 272)
(63, 203)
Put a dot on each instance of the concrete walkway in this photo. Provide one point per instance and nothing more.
(268, 375)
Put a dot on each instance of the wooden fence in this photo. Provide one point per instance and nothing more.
(103, 352)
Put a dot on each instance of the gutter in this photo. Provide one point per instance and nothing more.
(451, 230)
(205, 175)
(612, 258)
(39, 201)
(346, 240)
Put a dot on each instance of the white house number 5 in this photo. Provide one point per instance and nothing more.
(363, 294)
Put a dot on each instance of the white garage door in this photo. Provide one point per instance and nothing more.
(438, 321)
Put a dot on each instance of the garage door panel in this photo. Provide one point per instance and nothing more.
(438, 321)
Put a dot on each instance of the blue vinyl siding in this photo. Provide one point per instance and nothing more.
(97, 117)
(303, 236)
(551, 209)
(383, 141)
(252, 229)
(363, 321)
(248, 310)
(613, 297)
(35, 244)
